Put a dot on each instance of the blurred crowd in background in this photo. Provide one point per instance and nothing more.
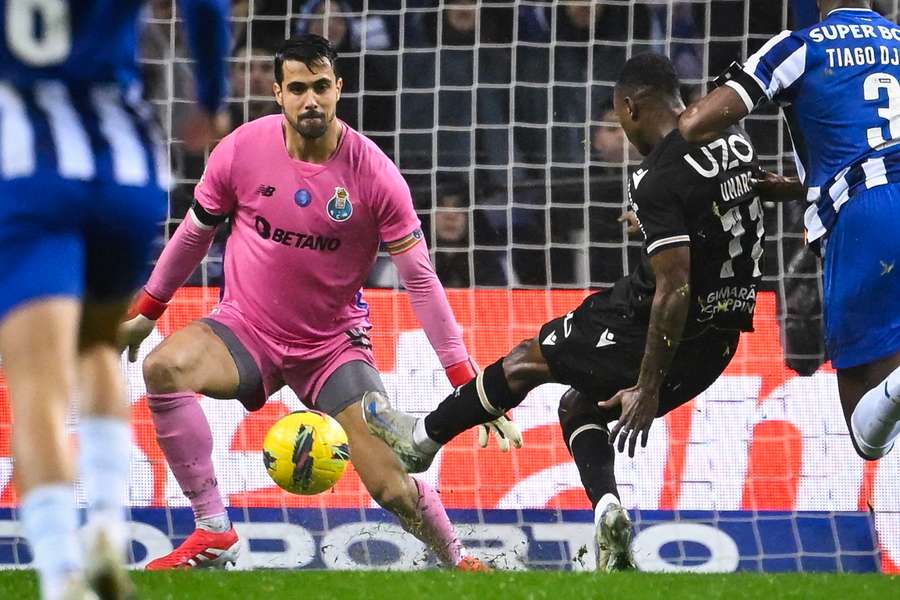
(499, 114)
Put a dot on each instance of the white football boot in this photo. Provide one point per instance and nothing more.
(396, 429)
(613, 536)
(105, 571)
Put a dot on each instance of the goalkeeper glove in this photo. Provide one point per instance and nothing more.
(146, 305)
(503, 428)
(140, 322)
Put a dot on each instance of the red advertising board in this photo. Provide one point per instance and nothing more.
(762, 438)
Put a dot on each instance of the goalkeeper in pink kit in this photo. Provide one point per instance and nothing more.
(310, 200)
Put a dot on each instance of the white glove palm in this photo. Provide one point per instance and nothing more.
(504, 429)
(132, 332)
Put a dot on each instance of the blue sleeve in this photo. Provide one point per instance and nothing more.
(209, 36)
(775, 67)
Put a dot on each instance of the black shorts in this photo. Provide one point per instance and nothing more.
(598, 348)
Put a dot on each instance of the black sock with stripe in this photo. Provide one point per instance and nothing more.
(464, 409)
(587, 439)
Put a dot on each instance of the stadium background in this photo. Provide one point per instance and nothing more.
(498, 114)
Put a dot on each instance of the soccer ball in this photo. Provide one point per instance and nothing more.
(306, 452)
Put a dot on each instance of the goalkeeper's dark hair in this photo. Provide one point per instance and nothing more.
(310, 49)
(650, 73)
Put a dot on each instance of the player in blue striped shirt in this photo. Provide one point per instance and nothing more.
(838, 83)
(81, 197)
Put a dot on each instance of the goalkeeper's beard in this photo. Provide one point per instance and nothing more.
(310, 128)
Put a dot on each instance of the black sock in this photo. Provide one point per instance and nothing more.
(593, 455)
(463, 409)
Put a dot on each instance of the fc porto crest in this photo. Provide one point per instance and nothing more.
(339, 207)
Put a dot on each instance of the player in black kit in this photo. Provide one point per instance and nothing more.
(655, 340)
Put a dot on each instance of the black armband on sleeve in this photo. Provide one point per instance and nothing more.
(205, 217)
(733, 70)
(735, 75)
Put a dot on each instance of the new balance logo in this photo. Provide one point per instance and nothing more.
(265, 190)
(550, 340)
(607, 338)
(637, 176)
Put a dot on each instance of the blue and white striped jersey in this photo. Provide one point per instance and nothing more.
(838, 83)
(93, 41)
(70, 93)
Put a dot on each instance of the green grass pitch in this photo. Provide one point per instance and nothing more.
(429, 585)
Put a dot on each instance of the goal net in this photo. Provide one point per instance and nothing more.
(498, 112)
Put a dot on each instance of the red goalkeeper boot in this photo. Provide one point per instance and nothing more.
(201, 550)
(472, 565)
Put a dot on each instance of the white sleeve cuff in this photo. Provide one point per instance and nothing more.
(742, 93)
(198, 223)
(675, 239)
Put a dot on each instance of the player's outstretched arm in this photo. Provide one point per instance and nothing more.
(214, 200)
(432, 309)
(706, 119)
(178, 260)
(778, 188)
(775, 67)
(209, 37)
(671, 302)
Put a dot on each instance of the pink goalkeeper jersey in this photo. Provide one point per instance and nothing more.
(304, 236)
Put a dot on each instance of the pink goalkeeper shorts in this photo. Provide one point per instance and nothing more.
(265, 364)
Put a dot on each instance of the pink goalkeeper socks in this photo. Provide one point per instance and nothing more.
(434, 527)
(183, 434)
(185, 438)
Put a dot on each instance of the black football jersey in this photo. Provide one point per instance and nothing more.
(701, 196)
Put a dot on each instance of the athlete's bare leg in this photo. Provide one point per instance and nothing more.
(38, 342)
(38, 345)
(416, 505)
(525, 367)
(105, 444)
(192, 361)
(99, 370)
